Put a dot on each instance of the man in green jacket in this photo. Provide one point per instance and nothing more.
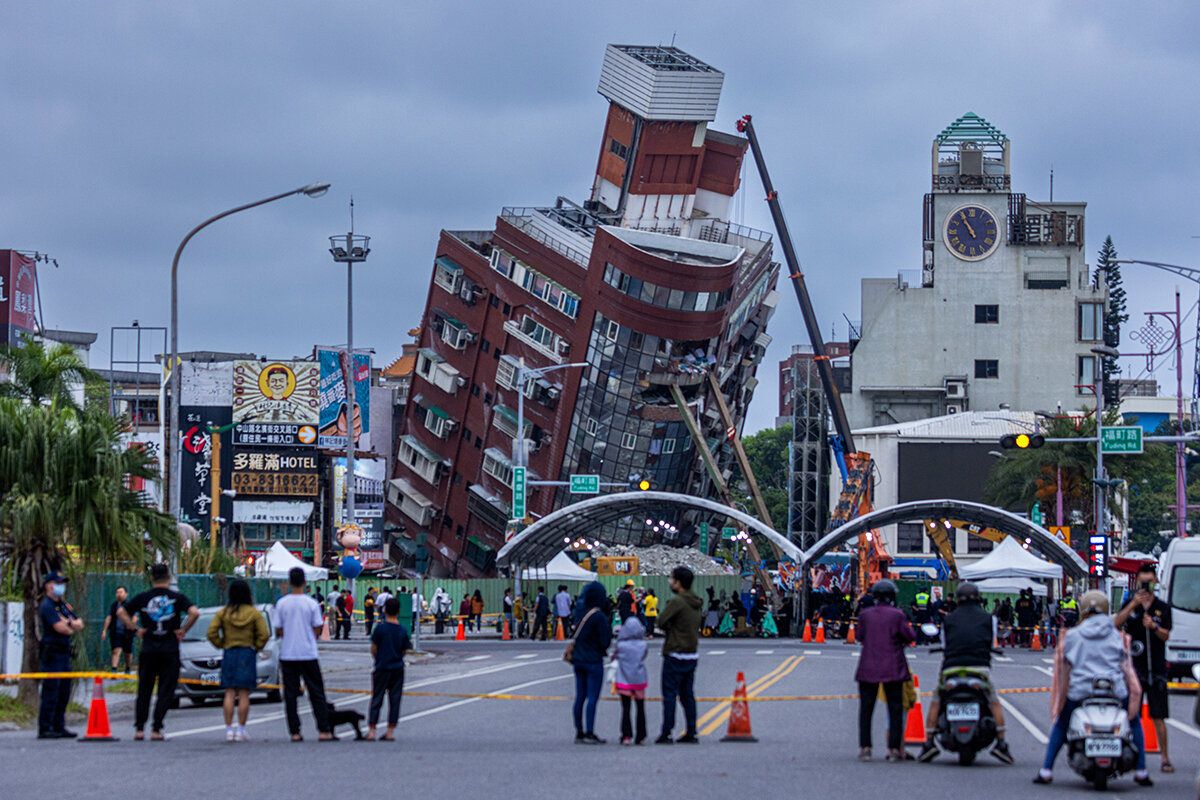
(680, 622)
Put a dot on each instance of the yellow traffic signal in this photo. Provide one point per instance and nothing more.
(644, 485)
(1022, 441)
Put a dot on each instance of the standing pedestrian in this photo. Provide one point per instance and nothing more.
(562, 609)
(1147, 620)
(389, 643)
(650, 604)
(59, 624)
(441, 609)
(477, 609)
(331, 607)
(348, 596)
(464, 611)
(519, 616)
(341, 615)
(632, 678)
(298, 624)
(541, 614)
(625, 600)
(240, 632)
(160, 625)
(508, 610)
(418, 604)
(680, 622)
(121, 640)
(586, 654)
(884, 632)
(369, 610)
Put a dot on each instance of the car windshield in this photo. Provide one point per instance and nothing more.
(199, 631)
(1185, 588)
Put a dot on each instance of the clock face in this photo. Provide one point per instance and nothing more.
(971, 232)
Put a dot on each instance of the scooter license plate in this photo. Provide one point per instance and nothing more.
(1102, 746)
(962, 712)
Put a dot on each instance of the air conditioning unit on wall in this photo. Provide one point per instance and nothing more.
(954, 408)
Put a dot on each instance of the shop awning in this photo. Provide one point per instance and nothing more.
(431, 355)
(445, 263)
(271, 512)
(437, 412)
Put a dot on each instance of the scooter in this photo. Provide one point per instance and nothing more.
(965, 724)
(1099, 741)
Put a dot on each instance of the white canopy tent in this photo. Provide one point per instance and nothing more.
(560, 568)
(277, 562)
(1011, 586)
(1010, 560)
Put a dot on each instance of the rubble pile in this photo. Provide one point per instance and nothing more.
(660, 559)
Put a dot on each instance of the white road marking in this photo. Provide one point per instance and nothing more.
(307, 709)
(1001, 658)
(1011, 711)
(1044, 670)
(477, 658)
(458, 703)
(714, 652)
(1180, 726)
(1048, 660)
(812, 652)
(526, 655)
(764, 652)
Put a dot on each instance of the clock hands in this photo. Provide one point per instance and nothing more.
(969, 228)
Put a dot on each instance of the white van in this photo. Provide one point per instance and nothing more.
(1179, 586)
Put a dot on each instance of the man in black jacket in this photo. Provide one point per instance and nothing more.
(968, 643)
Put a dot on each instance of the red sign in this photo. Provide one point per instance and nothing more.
(18, 285)
(372, 559)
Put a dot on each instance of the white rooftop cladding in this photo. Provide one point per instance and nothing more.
(661, 83)
(677, 248)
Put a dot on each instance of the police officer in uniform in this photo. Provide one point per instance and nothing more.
(59, 624)
(921, 614)
(1068, 611)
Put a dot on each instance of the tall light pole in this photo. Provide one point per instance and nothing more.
(172, 454)
(350, 249)
(1101, 481)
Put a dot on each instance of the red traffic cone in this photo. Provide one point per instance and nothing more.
(820, 637)
(914, 730)
(506, 634)
(461, 635)
(807, 637)
(1148, 730)
(739, 715)
(98, 729)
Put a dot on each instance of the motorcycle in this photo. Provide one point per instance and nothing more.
(1099, 740)
(965, 724)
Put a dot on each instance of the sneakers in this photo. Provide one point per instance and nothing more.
(230, 733)
(929, 752)
(626, 741)
(240, 734)
(1001, 752)
(664, 739)
(687, 738)
(1044, 777)
(589, 738)
(1144, 780)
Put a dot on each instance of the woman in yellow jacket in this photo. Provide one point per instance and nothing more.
(650, 609)
(240, 631)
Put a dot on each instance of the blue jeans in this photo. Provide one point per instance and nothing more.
(56, 692)
(588, 679)
(1058, 736)
(678, 681)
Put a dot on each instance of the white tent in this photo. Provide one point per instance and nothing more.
(277, 562)
(560, 568)
(1011, 586)
(1010, 560)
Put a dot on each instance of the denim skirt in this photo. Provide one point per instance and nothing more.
(238, 670)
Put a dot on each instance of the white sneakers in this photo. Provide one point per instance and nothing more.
(236, 733)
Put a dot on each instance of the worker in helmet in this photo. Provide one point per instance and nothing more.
(968, 636)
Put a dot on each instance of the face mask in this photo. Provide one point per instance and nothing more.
(59, 589)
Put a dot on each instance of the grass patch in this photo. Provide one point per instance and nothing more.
(13, 710)
(121, 687)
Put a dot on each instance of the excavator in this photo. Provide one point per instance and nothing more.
(939, 532)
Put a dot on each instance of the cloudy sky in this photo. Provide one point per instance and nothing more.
(125, 124)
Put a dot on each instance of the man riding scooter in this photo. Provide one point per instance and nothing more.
(968, 645)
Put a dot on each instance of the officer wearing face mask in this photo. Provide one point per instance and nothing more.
(59, 623)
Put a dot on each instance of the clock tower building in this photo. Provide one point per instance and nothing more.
(1004, 311)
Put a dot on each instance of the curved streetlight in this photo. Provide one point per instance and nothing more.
(171, 447)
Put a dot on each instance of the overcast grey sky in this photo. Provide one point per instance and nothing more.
(125, 124)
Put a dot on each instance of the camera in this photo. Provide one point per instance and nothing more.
(1145, 586)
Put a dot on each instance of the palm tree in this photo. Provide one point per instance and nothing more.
(1025, 477)
(38, 374)
(66, 477)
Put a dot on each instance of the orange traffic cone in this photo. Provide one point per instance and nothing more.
(324, 630)
(739, 715)
(807, 637)
(914, 730)
(850, 635)
(1036, 645)
(505, 635)
(820, 638)
(461, 635)
(1151, 735)
(97, 725)
(558, 632)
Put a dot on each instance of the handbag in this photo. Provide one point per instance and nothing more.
(569, 653)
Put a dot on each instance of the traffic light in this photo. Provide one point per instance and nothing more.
(1022, 441)
(641, 483)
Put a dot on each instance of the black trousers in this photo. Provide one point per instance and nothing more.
(539, 626)
(310, 671)
(163, 667)
(370, 624)
(56, 692)
(626, 725)
(893, 691)
(391, 683)
(343, 629)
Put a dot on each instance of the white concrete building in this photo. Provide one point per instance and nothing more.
(1004, 311)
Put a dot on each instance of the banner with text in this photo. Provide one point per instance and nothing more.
(275, 403)
(334, 368)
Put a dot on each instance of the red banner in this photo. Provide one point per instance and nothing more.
(18, 285)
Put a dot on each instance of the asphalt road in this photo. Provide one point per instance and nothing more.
(479, 747)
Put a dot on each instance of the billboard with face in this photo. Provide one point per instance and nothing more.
(335, 371)
(275, 403)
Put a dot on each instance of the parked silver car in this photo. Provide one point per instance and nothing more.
(199, 660)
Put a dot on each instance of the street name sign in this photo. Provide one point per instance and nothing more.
(518, 492)
(1117, 440)
(585, 484)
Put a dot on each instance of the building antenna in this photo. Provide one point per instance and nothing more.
(352, 212)
(1051, 183)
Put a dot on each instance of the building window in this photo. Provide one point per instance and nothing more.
(668, 446)
(978, 544)
(494, 301)
(987, 368)
(1091, 322)
(611, 329)
(485, 345)
(1085, 374)
(507, 310)
(456, 334)
(987, 315)
(910, 537)
(498, 465)
(617, 149)
(447, 275)
(591, 426)
(506, 372)
(628, 440)
(537, 332)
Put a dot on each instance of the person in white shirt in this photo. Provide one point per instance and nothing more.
(298, 623)
(416, 609)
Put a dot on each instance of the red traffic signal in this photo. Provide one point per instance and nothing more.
(1022, 441)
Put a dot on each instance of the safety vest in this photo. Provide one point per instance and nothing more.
(922, 599)
(1067, 604)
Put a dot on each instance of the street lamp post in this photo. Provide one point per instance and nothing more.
(1101, 482)
(172, 455)
(350, 249)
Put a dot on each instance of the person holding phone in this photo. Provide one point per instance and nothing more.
(1147, 620)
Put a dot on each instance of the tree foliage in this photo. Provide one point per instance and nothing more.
(40, 374)
(1108, 273)
(767, 453)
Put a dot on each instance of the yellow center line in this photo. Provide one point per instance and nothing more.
(707, 715)
(724, 716)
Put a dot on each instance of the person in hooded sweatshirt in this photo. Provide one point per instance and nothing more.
(592, 638)
(1092, 649)
(632, 678)
(680, 621)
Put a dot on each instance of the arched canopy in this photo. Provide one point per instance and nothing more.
(541, 541)
(988, 516)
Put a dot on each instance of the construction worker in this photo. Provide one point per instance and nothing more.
(921, 613)
(1068, 611)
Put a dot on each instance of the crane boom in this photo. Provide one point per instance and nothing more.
(840, 423)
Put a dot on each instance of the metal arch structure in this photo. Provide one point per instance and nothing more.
(985, 515)
(541, 541)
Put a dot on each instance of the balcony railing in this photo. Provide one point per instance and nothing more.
(522, 220)
(513, 328)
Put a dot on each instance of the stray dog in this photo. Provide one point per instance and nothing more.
(345, 718)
